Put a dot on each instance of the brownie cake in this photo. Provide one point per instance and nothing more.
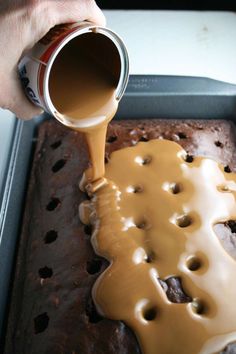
(51, 306)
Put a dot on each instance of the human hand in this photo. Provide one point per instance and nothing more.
(22, 24)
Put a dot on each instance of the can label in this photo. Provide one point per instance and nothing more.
(32, 68)
(25, 75)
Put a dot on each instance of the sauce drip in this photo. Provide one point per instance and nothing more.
(153, 220)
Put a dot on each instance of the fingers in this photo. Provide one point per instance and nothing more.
(16, 100)
(43, 15)
(33, 25)
(78, 10)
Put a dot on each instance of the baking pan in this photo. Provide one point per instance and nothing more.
(145, 97)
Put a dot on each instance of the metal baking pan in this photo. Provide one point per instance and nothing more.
(145, 97)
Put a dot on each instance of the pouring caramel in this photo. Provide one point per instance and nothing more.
(153, 220)
(83, 83)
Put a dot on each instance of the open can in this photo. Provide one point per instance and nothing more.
(37, 66)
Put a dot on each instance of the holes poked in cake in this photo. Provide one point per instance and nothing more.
(143, 160)
(181, 135)
(146, 160)
(50, 236)
(150, 257)
(198, 306)
(227, 169)
(55, 145)
(134, 189)
(143, 224)
(41, 323)
(88, 229)
(94, 266)
(175, 188)
(137, 189)
(194, 263)
(150, 313)
(219, 144)
(143, 139)
(188, 158)
(53, 204)
(58, 165)
(184, 220)
(45, 272)
(111, 139)
(92, 313)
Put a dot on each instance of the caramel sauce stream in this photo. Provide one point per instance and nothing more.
(154, 219)
(82, 86)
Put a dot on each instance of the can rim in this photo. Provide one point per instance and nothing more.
(123, 53)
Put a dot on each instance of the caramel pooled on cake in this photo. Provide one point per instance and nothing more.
(152, 221)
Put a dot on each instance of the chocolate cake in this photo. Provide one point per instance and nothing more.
(52, 311)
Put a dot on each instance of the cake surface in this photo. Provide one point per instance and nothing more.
(52, 311)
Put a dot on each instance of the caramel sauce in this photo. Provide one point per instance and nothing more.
(152, 220)
(82, 86)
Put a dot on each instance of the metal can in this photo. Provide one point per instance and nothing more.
(35, 68)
